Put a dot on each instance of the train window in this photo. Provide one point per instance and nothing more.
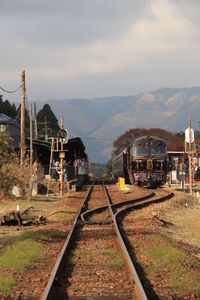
(158, 149)
(140, 150)
(139, 165)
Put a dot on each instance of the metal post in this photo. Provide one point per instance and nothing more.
(190, 155)
(22, 156)
(61, 163)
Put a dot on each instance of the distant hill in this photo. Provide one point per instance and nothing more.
(99, 121)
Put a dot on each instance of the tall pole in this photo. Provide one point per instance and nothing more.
(61, 163)
(190, 155)
(45, 124)
(22, 118)
(31, 147)
(31, 142)
(35, 123)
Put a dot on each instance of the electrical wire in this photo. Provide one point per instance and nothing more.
(10, 92)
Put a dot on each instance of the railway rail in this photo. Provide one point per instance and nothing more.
(88, 273)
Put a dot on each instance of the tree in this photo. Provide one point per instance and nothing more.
(10, 172)
(27, 118)
(175, 141)
(47, 115)
(7, 108)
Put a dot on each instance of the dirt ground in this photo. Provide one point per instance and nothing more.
(182, 211)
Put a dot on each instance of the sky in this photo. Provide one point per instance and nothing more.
(97, 48)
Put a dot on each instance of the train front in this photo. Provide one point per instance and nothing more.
(149, 163)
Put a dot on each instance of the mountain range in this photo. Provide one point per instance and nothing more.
(100, 121)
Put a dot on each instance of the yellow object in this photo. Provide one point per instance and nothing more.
(61, 155)
(122, 183)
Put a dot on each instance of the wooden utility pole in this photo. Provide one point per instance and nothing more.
(45, 124)
(61, 162)
(190, 155)
(22, 119)
(35, 123)
(31, 148)
(31, 142)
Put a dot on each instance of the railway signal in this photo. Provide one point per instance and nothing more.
(63, 136)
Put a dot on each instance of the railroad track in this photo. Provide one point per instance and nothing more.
(91, 265)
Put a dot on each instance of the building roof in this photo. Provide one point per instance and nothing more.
(6, 119)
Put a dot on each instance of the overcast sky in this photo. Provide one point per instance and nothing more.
(95, 48)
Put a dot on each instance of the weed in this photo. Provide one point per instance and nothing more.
(116, 259)
(107, 251)
(6, 283)
(116, 262)
(173, 259)
(21, 254)
(42, 235)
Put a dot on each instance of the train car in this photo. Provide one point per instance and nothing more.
(149, 161)
(145, 163)
(120, 166)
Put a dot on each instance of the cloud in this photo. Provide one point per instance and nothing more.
(99, 47)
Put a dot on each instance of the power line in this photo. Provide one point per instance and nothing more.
(10, 92)
(100, 139)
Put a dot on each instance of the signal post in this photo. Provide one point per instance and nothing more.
(189, 139)
(63, 138)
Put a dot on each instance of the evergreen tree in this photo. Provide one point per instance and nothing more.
(47, 115)
(27, 118)
(7, 108)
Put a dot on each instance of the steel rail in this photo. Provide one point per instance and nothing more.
(49, 290)
(140, 289)
(99, 209)
(145, 204)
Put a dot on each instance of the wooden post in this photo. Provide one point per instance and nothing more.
(61, 163)
(35, 123)
(50, 164)
(75, 165)
(45, 126)
(22, 156)
(190, 155)
(31, 144)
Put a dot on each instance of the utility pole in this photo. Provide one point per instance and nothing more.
(190, 155)
(61, 162)
(31, 147)
(22, 119)
(45, 124)
(35, 123)
(31, 142)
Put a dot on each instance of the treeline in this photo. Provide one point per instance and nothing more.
(8, 109)
(46, 119)
(175, 141)
(97, 169)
